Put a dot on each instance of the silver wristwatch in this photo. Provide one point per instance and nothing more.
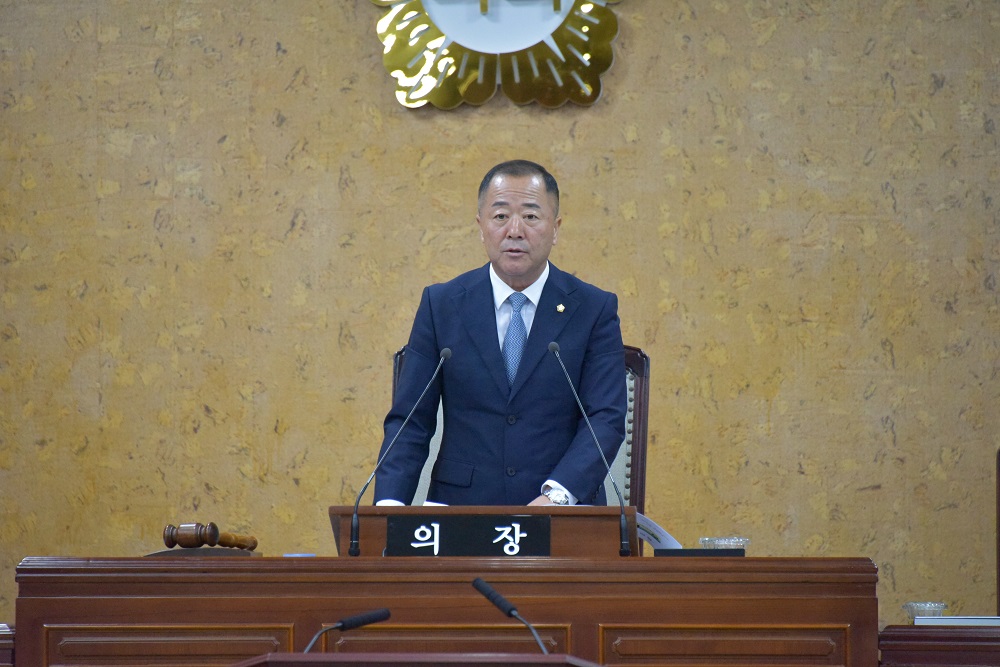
(557, 496)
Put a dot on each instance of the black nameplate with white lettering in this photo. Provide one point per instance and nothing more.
(468, 535)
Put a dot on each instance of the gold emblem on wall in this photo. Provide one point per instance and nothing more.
(451, 51)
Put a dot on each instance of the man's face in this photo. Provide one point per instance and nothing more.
(518, 225)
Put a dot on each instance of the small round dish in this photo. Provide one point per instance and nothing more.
(728, 542)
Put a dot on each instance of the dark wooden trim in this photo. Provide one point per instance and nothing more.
(414, 660)
(6, 646)
(939, 646)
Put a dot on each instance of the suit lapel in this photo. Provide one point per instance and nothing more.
(555, 310)
(476, 310)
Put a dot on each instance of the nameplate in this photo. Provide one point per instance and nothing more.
(468, 535)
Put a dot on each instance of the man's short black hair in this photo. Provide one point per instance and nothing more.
(519, 168)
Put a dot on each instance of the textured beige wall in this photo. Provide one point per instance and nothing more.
(215, 222)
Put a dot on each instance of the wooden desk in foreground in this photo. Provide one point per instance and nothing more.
(628, 611)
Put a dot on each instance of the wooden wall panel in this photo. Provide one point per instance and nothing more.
(443, 637)
(752, 644)
(165, 644)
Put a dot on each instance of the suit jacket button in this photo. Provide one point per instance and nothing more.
(511, 471)
(511, 419)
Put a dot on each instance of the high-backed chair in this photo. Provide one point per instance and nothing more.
(629, 466)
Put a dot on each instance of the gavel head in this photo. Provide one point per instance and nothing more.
(191, 535)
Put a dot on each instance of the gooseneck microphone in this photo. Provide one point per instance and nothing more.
(504, 605)
(355, 548)
(350, 623)
(625, 549)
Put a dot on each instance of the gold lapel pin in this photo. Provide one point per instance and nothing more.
(560, 308)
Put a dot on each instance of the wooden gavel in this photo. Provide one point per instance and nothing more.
(194, 535)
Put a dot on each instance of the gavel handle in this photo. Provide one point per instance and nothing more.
(194, 535)
(245, 542)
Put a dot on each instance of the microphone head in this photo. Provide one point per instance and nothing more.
(553, 346)
(498, 601)
(482, 586)
(446, 353)
(366, 618)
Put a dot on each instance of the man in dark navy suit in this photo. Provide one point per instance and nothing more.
(513, 433)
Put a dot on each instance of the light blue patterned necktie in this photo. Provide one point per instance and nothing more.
(517, 335)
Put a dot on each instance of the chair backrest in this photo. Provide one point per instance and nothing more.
(628, 467)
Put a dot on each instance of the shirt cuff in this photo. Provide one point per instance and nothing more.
(552, 484)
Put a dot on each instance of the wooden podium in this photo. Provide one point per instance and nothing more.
(585, 601)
